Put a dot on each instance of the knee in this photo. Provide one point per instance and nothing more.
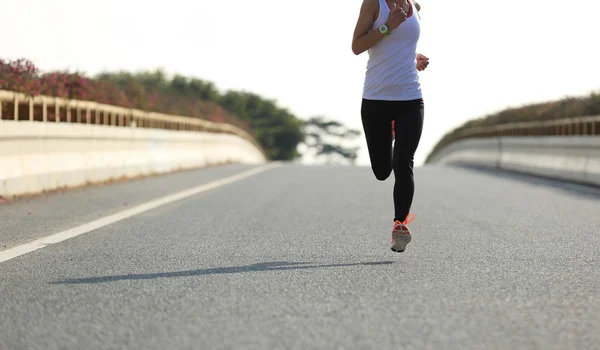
(404, 159)
(382, 174)
(403, 165)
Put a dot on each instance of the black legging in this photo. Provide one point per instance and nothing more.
(377, 119)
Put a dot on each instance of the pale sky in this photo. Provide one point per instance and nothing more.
(484, 56)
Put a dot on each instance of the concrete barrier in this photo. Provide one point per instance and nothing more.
(476, 152)
(41, 156)
(592, 166)
(569, 158)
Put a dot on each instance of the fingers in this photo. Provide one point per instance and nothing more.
(423, 59)
(422, 63)
(397, 9)
(397, 15)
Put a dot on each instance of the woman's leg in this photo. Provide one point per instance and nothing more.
(409, 116)
(376, 120)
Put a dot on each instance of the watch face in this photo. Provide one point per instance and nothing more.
(383, 28)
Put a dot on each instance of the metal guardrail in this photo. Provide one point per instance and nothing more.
(53, 109)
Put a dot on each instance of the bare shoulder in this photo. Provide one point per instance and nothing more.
(370, 9)
(370, 5)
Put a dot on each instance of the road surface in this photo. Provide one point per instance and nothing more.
(298, 257)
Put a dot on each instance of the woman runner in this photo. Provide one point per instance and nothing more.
(392, 105)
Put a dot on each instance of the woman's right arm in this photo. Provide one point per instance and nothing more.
(364, 38)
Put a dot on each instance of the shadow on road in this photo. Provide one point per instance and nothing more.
(270, 266)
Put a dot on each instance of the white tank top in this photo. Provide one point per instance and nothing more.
(391, 70)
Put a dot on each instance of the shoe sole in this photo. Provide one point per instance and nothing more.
(400, 242)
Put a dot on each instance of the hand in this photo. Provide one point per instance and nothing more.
(422, 62)
(396, 18)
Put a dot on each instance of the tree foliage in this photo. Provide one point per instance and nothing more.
(325, 140)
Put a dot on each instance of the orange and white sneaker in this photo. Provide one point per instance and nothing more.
(401, 234)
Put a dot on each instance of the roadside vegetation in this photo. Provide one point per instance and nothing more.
(276, 129)
(568, 107)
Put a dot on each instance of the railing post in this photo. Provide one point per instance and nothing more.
(0, 109)
(44, 110)
(68, 112)
(56, 110)
(88, 115)
(31, 109)
(585, 127)
(16, 116)
(78, 114)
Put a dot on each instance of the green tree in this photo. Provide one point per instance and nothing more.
(326, 140)
(276, 129)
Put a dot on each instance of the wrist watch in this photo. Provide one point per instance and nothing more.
(384, 29)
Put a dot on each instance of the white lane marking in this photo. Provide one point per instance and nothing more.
(107, 220)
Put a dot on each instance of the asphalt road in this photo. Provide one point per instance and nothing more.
(298, 258)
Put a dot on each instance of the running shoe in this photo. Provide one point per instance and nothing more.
(401, 234)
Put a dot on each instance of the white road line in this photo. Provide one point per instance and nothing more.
(107, 220)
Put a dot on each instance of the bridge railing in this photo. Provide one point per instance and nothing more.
(580, 126)
(566, 149)
(559, 127)
(58, 110)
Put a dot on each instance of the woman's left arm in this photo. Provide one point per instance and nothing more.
(422, 60)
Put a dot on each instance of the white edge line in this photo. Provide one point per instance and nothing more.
(110, 219)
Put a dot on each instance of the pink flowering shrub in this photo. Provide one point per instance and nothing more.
(65, 85)
(20, 76)
(121, 90)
